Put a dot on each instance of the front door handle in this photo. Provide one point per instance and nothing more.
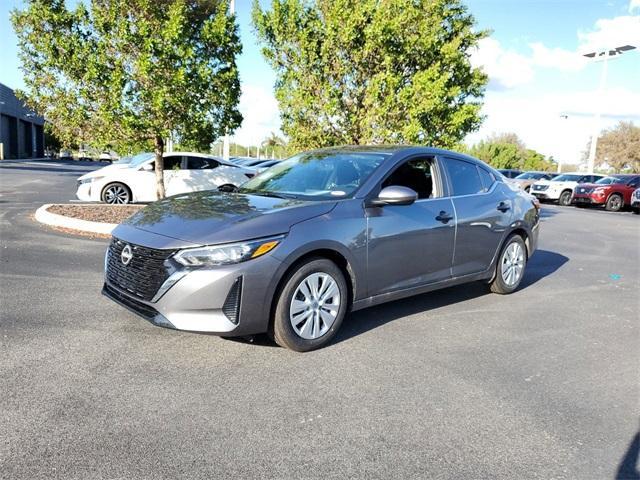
(444, 217)
(503, 207)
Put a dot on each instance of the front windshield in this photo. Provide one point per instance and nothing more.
(124, 160)
(610, 180)
(140, 158)
(316, 176)
(530, 176)
(566, 178)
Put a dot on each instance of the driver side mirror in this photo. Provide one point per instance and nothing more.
(394, 195)
(147, 167)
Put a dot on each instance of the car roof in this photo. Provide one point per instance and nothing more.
(624, 175)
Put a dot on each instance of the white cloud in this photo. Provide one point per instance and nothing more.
(556, 58)
(538, 122)
(506, 68)
(611, 32)
(259, 108)
(634, 5)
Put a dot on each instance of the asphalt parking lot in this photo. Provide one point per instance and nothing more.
(459, 383)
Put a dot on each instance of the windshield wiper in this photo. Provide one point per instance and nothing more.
(267, 193)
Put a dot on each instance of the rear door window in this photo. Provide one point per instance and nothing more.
(197, 163)
(464, 177)
(173, 162)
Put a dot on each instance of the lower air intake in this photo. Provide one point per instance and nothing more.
(231, 307)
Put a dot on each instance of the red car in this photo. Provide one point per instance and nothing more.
(614, 192)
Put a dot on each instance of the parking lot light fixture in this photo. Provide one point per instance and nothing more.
(602, 55)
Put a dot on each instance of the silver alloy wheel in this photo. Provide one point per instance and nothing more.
(314, 306)
(512, 264)
(116, 194)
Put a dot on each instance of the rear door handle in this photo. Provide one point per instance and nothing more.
(503, 207)
(444, 217)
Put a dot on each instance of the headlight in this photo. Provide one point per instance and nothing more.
(599, 191)
(90, 179)
(226, 254)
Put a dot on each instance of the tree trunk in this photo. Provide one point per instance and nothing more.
(159, 151)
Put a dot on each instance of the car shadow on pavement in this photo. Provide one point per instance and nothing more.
(548, 212)
(542, 264)
(628, 468)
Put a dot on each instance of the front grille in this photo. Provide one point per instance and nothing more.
(143, 275)
(142, 309)
(231, 307)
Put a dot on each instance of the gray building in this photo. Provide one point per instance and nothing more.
(21, 130)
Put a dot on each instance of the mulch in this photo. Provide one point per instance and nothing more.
(96, 213)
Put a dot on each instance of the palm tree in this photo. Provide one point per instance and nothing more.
(273, 141)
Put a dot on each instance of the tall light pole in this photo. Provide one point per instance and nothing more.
(226, 140)
(601, 55)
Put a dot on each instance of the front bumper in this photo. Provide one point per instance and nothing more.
(586, 199)
(545, 195)
(202, 299)
(84, 192)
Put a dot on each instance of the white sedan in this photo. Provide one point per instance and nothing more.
(136, 181)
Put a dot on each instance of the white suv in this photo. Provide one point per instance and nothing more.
(135, 181)
(560, 188)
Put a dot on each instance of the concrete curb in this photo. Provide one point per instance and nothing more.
(55, 220)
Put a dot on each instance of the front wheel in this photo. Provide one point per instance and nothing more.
(565, 198)
(310, 306)
(614, 203)
(510, 266)
(116, 194)
(636, 210)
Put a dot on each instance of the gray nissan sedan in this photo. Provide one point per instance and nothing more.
(318, 235)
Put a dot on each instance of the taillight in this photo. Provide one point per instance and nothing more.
(536, 203)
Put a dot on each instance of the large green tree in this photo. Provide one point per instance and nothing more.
(619, 148)
(396, 71)
(131, 71)
(507, 150)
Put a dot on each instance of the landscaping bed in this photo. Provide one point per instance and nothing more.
(96, 213)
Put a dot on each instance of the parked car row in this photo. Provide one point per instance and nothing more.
(134, 180)
(88, 156)
(613, 192)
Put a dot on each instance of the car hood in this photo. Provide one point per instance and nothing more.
(207, 218)
(104, 170)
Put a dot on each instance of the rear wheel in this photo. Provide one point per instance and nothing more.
(614, 203)
(565, 198)
(310, 306)
(510, 266)
(116, 194)
(636, 210)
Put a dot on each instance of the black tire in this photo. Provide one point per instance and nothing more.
(565, 198)
(499, 284)
(636, 210)
(116, 193)
(283, 332)
(614, 203)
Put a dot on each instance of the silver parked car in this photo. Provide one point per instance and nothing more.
(318, 235)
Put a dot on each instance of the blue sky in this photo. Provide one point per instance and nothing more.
(533, 58)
